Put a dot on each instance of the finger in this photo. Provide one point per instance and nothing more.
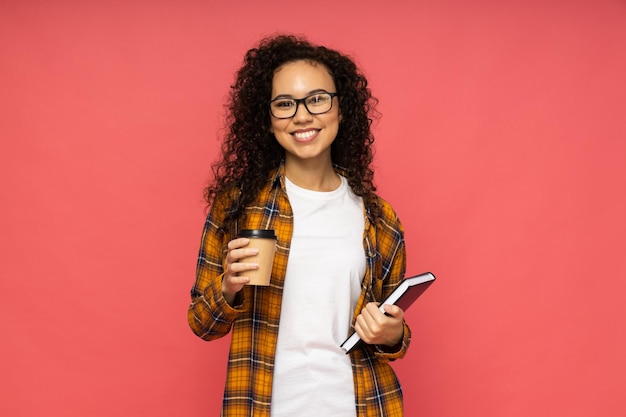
(236, 255)
(367, 323)
(374, 314)
(232, 255)
(237, 280)
(393, 311)
(240, 267)
(363, 331)
(238, 243)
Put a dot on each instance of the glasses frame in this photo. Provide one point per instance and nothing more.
(303, 101)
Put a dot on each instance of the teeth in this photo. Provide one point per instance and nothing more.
(305, 135)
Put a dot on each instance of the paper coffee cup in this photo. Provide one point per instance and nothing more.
(265, 241)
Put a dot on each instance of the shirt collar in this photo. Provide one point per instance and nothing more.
(278, 174)
(278, 180)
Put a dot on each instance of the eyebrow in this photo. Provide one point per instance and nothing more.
(316, 91)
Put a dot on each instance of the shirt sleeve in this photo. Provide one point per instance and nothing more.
(209, 315)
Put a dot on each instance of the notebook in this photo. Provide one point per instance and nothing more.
(403, 296)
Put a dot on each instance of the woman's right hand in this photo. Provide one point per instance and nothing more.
(233, 282)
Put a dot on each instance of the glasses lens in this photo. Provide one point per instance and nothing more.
(318, 103)
(283, 108)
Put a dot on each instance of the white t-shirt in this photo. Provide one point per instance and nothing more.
(312, 374)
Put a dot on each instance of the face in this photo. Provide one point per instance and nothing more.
(305, 137)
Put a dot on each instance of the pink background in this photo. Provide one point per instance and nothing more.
(502, 147)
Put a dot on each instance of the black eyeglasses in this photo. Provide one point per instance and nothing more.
(286, 108)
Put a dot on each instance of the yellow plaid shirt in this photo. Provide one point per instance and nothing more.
(255, 318)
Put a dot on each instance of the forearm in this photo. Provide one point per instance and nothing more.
(396, 275)
(209, 315)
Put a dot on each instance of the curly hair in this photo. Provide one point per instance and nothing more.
(250, 151)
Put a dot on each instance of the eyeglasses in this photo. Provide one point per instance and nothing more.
(286, 108)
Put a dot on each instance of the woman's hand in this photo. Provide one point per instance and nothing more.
(377, 328)
(233, 282)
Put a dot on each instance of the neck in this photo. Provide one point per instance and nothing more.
(313, 177)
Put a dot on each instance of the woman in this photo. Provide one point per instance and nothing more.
(296, 159)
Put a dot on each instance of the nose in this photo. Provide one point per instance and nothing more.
(302, 113)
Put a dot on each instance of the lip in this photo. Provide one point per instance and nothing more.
(305, 135)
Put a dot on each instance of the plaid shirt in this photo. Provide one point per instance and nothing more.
(255, 318)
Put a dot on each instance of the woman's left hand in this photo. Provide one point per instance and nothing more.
(377, 328)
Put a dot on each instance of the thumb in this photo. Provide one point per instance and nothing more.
(393, 310)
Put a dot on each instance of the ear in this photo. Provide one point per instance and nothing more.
(339, 111)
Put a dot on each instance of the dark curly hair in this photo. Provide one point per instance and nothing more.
(249, 149)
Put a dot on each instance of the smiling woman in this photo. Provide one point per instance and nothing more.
(306, 136)
(311, 108)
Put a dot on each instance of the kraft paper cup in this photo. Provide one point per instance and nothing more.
(265, 241)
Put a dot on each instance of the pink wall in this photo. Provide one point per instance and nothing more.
(502, 147)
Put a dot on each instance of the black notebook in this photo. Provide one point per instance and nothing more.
(403, 296)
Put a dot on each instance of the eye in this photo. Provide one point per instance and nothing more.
(283, 104)
(317, 99)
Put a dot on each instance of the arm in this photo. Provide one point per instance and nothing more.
(216, 297)
(209, 314)
(387, 334)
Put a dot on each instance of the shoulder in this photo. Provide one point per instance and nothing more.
(390, 243)
(223, 204)
(389, 228)
(386, 212)
(386, 209)
(225, 198)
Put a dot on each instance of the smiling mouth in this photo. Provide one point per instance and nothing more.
(305, 135)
